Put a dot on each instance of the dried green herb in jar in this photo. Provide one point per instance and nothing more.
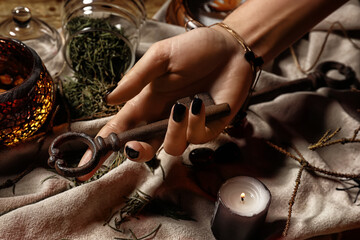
(99, 58)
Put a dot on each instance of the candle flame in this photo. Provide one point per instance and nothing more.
(242, 196)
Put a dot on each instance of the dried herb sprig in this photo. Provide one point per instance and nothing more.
(99, 57)
(86, 100)
(119, 159)
(309, 167)
(47, 178)
(152, 234)
(100, 53)
(133, 205)
(325, 140)
(356, 185)
(142, 202)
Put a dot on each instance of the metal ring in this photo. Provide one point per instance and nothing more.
(56, 157)
(191, 24)
(346, 71)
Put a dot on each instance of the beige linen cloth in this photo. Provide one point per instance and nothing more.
(41, 206)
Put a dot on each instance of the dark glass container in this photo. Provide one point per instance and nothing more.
(26, 92)
(197, 13)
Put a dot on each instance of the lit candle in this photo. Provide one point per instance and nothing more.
(241, 208)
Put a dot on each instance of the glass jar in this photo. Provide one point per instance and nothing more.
(199, 13)
(26, 92)
(35, 33)
(101, 37)
(121, 18)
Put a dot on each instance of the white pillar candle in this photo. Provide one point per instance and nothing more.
(240, 209)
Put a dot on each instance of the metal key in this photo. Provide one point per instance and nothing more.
(312, 82)
(114, 142)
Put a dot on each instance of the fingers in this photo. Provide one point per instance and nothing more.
(196, 131)
(175, 141)
(199, 131)
(142, 151)
(186, 127)
(135, 151)
(86, 158)
(133, 113)
(150, 67)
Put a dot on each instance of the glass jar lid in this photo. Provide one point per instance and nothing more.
(35, 33)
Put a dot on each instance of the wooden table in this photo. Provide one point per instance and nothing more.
(49, 10)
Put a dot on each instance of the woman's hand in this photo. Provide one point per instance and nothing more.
(205, 60)
(202, 60)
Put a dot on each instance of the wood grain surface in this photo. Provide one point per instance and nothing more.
(49, 10)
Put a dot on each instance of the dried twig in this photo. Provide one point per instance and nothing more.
(133, 236)
(323, 142)
(356, 185)
(292, 200)
(326, 139)
(119, 159)
(322, 48)
(133, 206)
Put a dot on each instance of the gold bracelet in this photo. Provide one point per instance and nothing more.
(255, 63)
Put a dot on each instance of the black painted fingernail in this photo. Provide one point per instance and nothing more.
(131, 153)
(196, 106)
(179, 112)
(108, 91)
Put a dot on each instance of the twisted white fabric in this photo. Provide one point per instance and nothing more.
(47, 209)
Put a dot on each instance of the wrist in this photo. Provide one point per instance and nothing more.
(237, 49)
(255, 61)
(269, 27)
